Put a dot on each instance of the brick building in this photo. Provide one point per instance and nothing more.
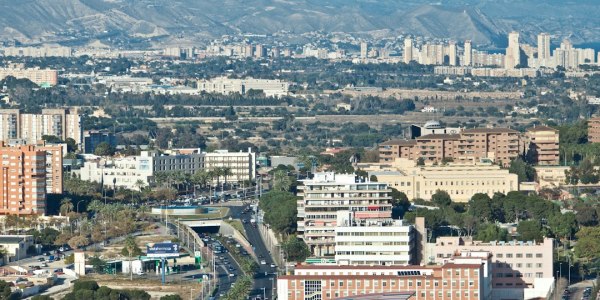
(466, 277)
(23, 180)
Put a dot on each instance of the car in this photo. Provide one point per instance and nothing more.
(140, 273)
(273, 266)
(231, 268)
(44, 265)
(46, 253)
(238, 245)
(41, 259)
(231, 275)
(263, 262)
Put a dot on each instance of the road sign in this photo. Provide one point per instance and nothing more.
(162, 250)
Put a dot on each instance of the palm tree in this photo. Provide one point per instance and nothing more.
(140, 184)
(281, 181)
(200, 178)
(66, 206)
(226, 171)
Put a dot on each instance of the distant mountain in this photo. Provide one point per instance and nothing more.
(173, 21)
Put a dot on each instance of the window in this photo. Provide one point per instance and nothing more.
(519, 255)
(509, 255)
(538, 255)
(538, 265)
(529, 255)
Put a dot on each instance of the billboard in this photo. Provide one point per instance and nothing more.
(162, 250)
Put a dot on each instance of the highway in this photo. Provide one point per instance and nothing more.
(261, 281)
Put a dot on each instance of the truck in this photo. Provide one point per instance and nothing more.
(253, 222)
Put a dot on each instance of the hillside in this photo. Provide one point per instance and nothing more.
(485, 22)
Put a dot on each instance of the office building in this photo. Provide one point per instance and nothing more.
(543, 145)
(468, 60)
(23, 183)
(93, 138)
(62, 123)
(460, 180)
(594, 130)
(41, 77)
(467, 276)
(520, 269)
(242, 165)
(379, 242)
(544, 54)
(127, 172)
(326, 194)
(226, 86)
(513, 51)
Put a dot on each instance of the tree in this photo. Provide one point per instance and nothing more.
(6, 293)
(71, 145)
(51, 139)
(441, 198)
(530, 230)
(525, 171)
(588, 243)
(296, 249)
(490, 232)
(66, 206)
(98, 264)
(281, 181)
(563, 225)
(78, 241)
(104, 149)
(280, 210)
(130, 249)
(480, 206)
(373, 178)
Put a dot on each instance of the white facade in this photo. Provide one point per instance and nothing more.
(226, 86)
(127, 171)
(387, 242)
(325, 195)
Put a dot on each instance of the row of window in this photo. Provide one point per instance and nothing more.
(372, 243)
(519, 255)
(371, 253)
(372, 233)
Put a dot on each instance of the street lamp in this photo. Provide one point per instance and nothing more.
(77, 206)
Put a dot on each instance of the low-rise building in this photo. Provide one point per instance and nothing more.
(93, 138)
(226, 86)
(521, 270)
(467, 276)
(16, 246)
(460, 180)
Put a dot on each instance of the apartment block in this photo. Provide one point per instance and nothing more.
(521, 270)
(63, 123)
(466, 277)
(594, 130)
(326, 194)
(501, 145)
(23, 183)
(460, 180)
(543, 145)
(241, 164)
(37, 76)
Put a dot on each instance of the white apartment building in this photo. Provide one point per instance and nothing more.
(63, 123)
(461, 181)
(378, 242)
(226, 86)
(241, 164)
(45, 51)
(521, 269)
(326, 194)
(121, 172)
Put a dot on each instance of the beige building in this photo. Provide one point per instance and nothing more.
(37, 76)
(62, 123)
(521, 270)
(501, 145)
(594, 130)
(16, 246)
(550, 176)
(460, 180)
(543, 145)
